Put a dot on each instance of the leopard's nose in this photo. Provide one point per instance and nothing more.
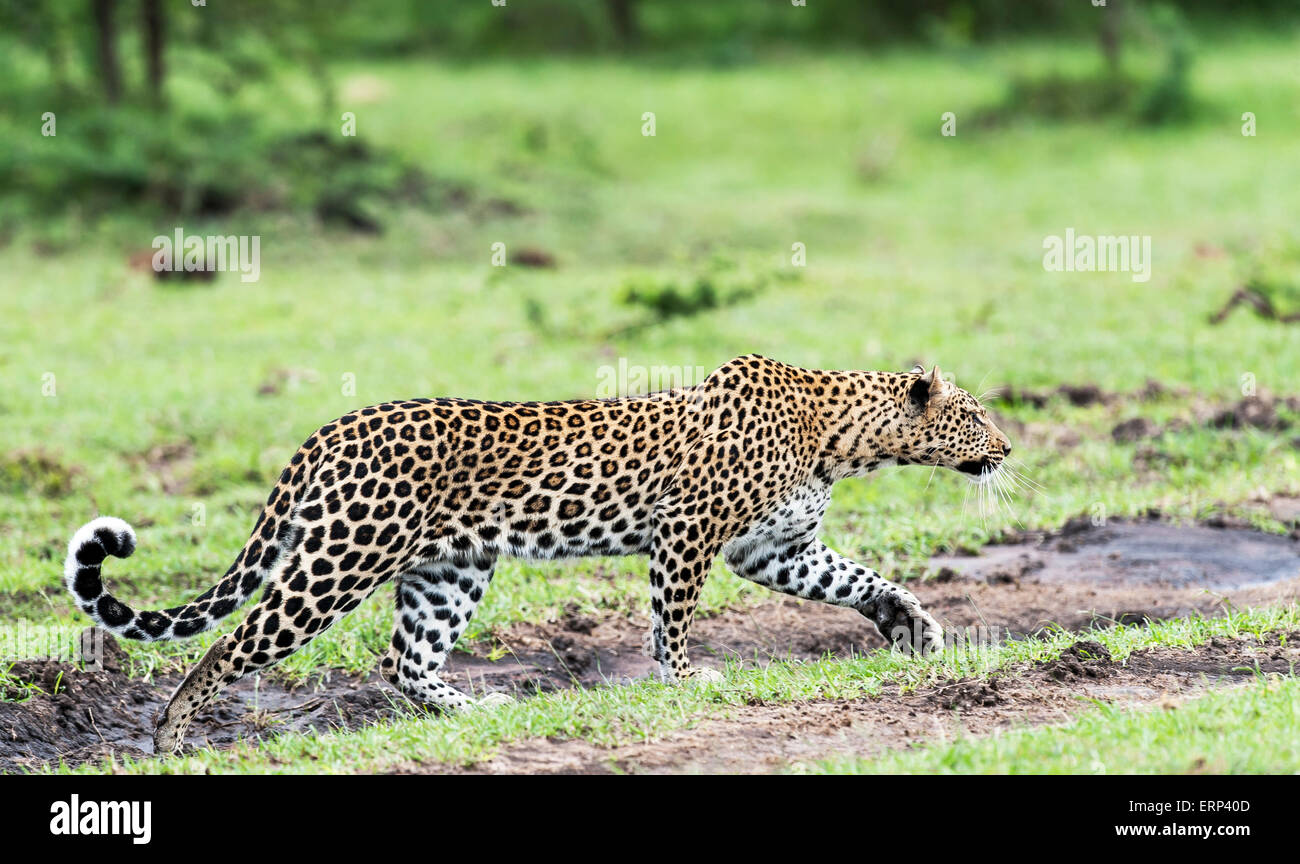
(1006, 448)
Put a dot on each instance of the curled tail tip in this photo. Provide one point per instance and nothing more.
(95, 541)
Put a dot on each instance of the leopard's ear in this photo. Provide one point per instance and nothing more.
(927, 393)
(918, 369)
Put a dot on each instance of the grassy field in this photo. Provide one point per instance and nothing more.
(175, 407)
(1237, 732)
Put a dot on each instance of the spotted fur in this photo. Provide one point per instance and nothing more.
(428, 493)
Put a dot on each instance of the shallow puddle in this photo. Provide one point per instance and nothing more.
(1146, 553)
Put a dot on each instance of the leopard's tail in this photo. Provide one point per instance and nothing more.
(107, 535)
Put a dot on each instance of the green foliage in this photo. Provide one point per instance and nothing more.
(720, 284)
(718, 33)
(201, 164)
(344, 181)
(247, 125)
(1273, 273)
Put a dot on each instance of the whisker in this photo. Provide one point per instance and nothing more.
(995, 492)
(991, 479)
(1007, 493)
(1015, 465)
(1019, 486)
(1029, 481)
(1030, 485)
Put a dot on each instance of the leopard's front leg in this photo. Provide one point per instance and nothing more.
(812, 570)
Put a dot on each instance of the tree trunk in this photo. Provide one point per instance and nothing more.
(1110, 35)
(154, 38)
(110, 75)
(622, 14)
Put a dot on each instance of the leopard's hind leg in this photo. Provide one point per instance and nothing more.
(434, 603)
(307, 594)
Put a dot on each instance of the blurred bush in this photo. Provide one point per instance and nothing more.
(723, 29)
(231, 106)
(1113, 90)
(205, 117)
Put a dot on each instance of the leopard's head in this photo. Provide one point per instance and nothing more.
(946, 426)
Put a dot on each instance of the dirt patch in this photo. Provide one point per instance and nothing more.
(84, 714)
(280, 380)
(1263, 411)
(1086, 394)
(76, 715)
(1257, 412)
(1083, 575)
(169, 464)
(37, 472)
(1134, 429)
(533, 256)
(1078, 395)
(142, 261)
(1088, 659)
(768, 737)
(1285, 509)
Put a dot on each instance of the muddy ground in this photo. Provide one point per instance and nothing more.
(769, 737)
(1126, 572)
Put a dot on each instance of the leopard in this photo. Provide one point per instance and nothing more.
(428, 494)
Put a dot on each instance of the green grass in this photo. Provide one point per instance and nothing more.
(1247, 730)
(610, 716)
(14, 689)
(919, 248)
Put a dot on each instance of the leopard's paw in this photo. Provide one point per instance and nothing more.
(168, 741)
(901, 620)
